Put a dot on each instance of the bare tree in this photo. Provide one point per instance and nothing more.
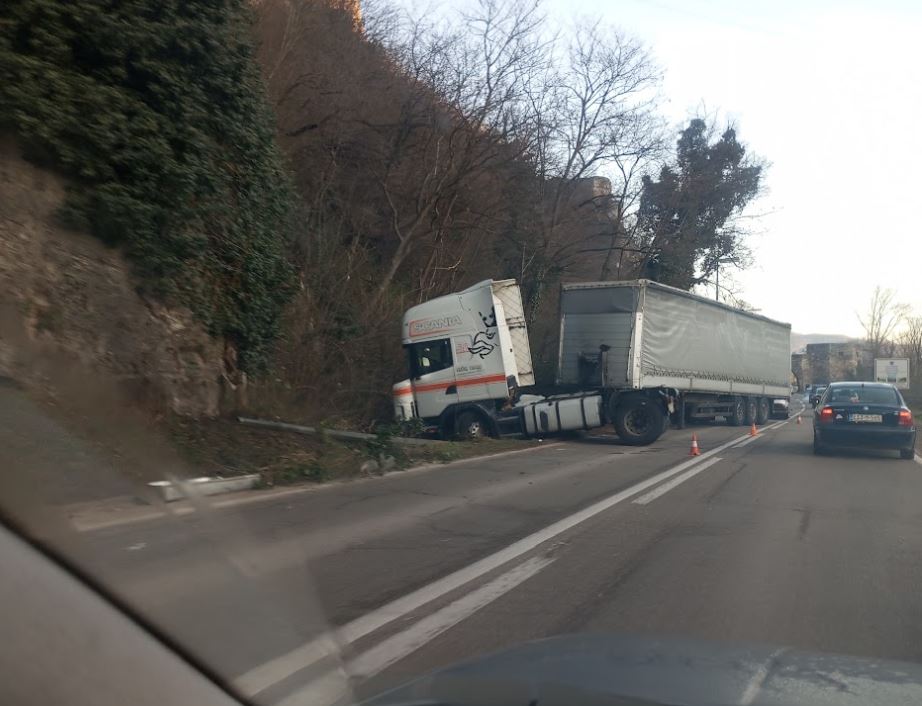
(593, 114)
(463, 120)
(909, 344)
(882, 319)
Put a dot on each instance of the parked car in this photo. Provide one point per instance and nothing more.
(816, 393)
(781, 409)
(863, 415)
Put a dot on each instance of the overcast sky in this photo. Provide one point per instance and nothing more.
(830, 93)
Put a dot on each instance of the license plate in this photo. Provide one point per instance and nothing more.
(866, 418)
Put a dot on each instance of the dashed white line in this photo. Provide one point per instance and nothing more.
(678, 480)
(404, 643)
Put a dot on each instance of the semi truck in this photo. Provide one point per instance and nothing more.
(638, 355)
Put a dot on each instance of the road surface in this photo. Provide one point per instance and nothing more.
(755, 540)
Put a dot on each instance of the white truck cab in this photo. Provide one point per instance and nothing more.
(464, 348)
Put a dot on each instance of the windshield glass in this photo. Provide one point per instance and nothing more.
(344, 341)
(429, 357)
(863, 395)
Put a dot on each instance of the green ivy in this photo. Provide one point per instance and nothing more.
(157, 113)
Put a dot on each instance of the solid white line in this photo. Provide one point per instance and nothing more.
(678, 480)
(746, 441)
(404, 643)
(283, 666)
(400, 645)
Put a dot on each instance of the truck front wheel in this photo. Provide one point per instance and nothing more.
(638, 421)
(470, 425)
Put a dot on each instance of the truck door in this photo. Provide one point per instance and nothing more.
(432, 376)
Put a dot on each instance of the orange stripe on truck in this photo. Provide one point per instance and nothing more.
(483, 380)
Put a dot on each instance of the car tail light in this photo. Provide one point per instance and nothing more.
(905, 418)
(826, 415)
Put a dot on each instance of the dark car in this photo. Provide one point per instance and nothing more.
(863, 415)
(781, 408)
(816, 393)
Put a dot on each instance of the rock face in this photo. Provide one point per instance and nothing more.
(69, 296)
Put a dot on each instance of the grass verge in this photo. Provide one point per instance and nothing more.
(225, 447)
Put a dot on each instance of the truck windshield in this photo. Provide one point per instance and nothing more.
(429, 357)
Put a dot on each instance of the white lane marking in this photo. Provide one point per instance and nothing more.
(404, 643)
(678, 480)
(746, 441)
(265, 675)
(750, 439)
(758, 679)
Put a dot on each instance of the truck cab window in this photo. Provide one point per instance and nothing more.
(430, 357)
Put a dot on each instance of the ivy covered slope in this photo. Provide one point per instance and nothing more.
(156, 112)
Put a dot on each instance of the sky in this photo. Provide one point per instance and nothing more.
(830, 93)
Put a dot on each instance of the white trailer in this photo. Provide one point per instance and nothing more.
(653, 348)
(631, 353)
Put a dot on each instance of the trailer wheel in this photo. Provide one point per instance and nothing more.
(639, 421)
(470, 425)
(763, 411)
(737, 416)
(752, 410)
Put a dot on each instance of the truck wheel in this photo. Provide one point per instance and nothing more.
(751, 411)
(763, 411)
(639, 421)
(738, 413)
(470, 425)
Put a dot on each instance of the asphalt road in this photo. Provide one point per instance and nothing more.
(755, 540)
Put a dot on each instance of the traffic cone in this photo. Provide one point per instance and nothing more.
(753, 431)
(798, 419)
(694, 448)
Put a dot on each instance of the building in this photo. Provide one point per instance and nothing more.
(822, 363)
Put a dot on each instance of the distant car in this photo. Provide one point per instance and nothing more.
(863, 415)
(781, 409)
(816, 393)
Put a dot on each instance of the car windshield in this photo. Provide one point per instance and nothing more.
(345, 341)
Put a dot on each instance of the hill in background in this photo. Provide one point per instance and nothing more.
(800, 340)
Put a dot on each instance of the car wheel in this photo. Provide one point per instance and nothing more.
(818, 448)
(907, 454)
(470, 425)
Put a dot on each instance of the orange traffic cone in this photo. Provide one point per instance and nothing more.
(694, 448)
(798, 419)
(753, 431)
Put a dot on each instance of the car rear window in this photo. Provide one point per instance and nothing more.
(864, 395)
